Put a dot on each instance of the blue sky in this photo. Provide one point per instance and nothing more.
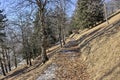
(6, 5)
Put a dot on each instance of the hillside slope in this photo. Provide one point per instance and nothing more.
(101, 51)
(98, 48)
(91, 55)
(103, 55)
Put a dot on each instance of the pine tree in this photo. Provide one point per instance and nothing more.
(88, 13)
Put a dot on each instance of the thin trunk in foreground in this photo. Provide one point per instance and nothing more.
(42, 4)
(2, 67)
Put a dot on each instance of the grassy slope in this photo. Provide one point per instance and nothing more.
(100, 49)
(101, 53)
(103, 56)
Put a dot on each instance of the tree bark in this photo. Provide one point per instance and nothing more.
(2, 67)
(63, 36)
(60, 39)
(43, 47)
(5, 65)
(30, 62)
(7, 59)
(30, 56)
(9, 63)
(15, 59)
(60, 33)
(41, 6)
(26, 56)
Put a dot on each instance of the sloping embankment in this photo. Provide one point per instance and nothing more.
(103, 56)
(101, 51)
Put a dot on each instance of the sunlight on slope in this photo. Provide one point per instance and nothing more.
(111, 21)
(103, 57)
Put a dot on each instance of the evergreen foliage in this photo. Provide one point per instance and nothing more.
(88, 13)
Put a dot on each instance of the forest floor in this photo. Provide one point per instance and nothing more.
(91, 55)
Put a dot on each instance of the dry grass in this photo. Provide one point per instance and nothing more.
(102, 55)
(104, 61)
(101, 50)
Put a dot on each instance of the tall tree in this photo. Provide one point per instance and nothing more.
(88, 13)
(7, 53)
(4, 57)
(61, 18)
(2, 36)
(22, 36)
(42, 7)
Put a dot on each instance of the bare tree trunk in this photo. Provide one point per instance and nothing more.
(2, 67)
(60, 38)
(30, 62)
(9, 63)
(105, 13)
(4, 61)
(41, 4)
(30, 56)
(15, 59)
(26, 56)
(60, 33)
(29, 52)
(63, 36)
(26, 50)
(43, 47)
(63, 21)
(34, 53)
(7, 59)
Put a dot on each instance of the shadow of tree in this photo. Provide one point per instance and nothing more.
(77, 45)
(85, 39)
(18, 72)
